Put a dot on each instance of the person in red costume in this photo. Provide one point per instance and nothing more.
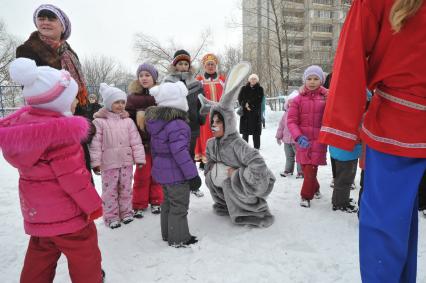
(381, 48)
(213, 88)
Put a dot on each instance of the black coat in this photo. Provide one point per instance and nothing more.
(251, 121)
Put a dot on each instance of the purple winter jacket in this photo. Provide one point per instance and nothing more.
(170, 138)
(305, 118)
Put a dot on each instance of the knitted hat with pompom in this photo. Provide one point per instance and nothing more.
(44, 87)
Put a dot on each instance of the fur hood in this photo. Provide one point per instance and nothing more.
(30, 129)
(136, 88)
(165, 114)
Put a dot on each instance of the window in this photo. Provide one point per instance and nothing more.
(323, 2)
(297, 1)
(322, 28)
(321, 43)
(293, 27)
(347, 2)
(294, 14)
(323, 14)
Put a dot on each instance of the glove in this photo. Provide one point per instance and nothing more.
(195, 183)
(194, 87)
(303, 142)
(97, 170)
(95, 214)
(279, 142)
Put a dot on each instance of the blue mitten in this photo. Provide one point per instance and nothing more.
(303, 142)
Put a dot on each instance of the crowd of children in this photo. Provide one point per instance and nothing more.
(156, 128)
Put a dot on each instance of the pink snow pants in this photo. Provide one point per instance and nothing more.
(117, 193)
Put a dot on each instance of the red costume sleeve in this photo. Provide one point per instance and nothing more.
(346, 99)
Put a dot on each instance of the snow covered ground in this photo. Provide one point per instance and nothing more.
(303, 245)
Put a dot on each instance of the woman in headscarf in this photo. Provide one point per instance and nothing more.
(47, 46)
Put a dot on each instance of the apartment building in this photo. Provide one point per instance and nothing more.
(306, 32)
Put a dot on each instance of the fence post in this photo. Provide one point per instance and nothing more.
(1, 101)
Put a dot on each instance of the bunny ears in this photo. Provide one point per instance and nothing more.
(235, 77)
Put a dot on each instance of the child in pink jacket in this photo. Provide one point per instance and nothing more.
(115, 147)
(58, 200)
(304, 122)
(283, 136)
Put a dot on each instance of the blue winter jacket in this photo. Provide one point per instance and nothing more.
(344, 155)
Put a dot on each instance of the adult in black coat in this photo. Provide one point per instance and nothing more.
(250, 99)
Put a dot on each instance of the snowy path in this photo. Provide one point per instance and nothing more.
(303, 245)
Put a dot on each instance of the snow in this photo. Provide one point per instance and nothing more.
(303, 245)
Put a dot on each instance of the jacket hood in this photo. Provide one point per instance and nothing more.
(136, 88)
(31, 130)
(157, 117)
(105, 113)
(166, 114)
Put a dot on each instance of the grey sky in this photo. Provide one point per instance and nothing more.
(108, 26)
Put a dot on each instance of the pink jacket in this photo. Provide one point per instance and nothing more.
(305, 118)
(283, 133)
(117, 142)
(55, 189)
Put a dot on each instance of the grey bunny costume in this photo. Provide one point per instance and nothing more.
(243, 195)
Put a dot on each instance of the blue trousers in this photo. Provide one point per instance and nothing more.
(388, 227)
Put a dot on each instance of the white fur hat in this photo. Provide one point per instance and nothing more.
(111, 94)
(44, 87)
(171, 95)
(253, 76)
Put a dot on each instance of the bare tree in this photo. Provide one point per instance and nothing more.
(279, 35)
(150, 49)
(8, 46)
(103, 69)
(230, 57)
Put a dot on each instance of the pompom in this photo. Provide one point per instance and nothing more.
(154, 90)
(103, 87)
(183, 91)
(23, 71)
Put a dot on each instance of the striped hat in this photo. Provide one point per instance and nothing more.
(63, 18)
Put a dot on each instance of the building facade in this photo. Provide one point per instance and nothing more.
(287, 36)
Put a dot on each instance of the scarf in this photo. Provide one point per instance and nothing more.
(69, 62)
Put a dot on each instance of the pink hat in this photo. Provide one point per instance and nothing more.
(44, 87)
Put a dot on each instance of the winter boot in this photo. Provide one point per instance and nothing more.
(127, 219)
(305, 203)
(349, 208)
(286, 173)
(198, 193)
(114, 224)
(103, 275)
(299, 176)
(318, 195)
(138, 213)
(191, 241)
(155, 209)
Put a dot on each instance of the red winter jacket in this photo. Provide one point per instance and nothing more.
(55, 188)
(370, 54)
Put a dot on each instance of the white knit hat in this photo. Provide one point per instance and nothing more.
(44, 87)
(111, 94)
(171, 95)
